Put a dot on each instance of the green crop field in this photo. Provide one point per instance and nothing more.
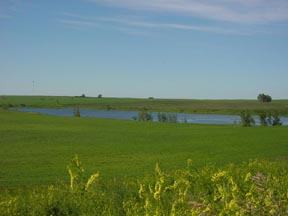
(161, 105)
(36, 149)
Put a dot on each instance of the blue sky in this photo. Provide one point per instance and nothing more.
(209, 49)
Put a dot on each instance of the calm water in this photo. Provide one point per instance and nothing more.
(128, 115)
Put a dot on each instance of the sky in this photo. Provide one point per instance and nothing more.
(208, 49)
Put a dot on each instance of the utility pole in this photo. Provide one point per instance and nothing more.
(33, 86)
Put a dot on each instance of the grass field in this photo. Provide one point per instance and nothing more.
(35, 148)
(162, 105)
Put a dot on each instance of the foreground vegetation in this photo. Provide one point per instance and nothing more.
(254, 188)
(151, 104)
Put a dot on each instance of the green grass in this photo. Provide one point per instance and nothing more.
(161, 105)
(35, 148)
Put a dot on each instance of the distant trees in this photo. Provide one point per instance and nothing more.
(81, 96)
(100, 96)
(265, 119)
(167, 117)
(264, 98)
(269, 119)
(145, 116)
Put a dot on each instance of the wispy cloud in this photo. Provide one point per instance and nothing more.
(241, 11)
(136, 26)
(158, 25)
(79, 23)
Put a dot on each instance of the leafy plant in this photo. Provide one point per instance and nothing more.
(76, 173)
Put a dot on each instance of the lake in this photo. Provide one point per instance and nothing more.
(129, 115)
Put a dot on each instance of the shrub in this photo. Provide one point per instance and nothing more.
(246, 119)
(76, 112)
(268, 119)
(276, 121)
(167, 117)
(263, 118)
(145, 116)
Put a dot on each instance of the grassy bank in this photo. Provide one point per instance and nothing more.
(161, 105)
(35, 148)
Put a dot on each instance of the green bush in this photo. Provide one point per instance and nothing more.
(246, 119)
(269, 119)
(145, 116)
(167, 117)
(76, 112)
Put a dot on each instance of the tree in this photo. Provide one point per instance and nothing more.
(276, 121)
(76, 112)
(264, 120)
(100, 96)
(167, 117)
(264, 98)
(145, 116)
(246, 119)
(268, 119)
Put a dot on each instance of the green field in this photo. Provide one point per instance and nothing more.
(161, 105)
(35, 148)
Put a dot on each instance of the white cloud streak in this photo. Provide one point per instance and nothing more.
(240, 11)
(79, 23)
(165, 25)
(134, 26)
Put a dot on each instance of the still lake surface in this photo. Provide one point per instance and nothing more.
(129, 115)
